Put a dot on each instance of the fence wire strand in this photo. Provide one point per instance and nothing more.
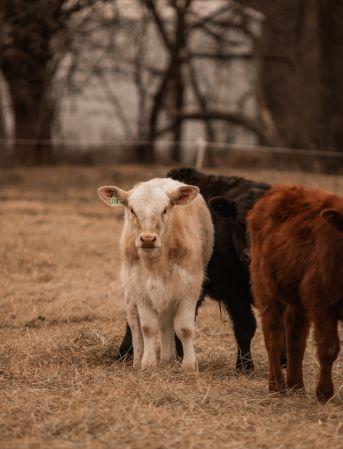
(167, 143)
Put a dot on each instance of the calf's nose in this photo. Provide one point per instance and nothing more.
(148, 238)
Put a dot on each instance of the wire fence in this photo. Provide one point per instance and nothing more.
(197, 152)
(184, 143)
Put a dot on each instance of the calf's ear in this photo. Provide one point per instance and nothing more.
(223, 207)
(334, 218)
(183, 195)
(113, 196)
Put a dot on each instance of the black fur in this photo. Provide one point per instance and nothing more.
(227, 272)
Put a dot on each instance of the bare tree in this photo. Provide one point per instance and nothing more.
(51, 48)
(34, 38)
(176, 27)
(300, 73)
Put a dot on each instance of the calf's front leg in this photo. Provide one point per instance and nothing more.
(150, 326)
(244, 325)
(167, 338)
(184, 328)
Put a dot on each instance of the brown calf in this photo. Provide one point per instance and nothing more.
(297, 278)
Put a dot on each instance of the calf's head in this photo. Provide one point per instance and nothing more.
(148, 210)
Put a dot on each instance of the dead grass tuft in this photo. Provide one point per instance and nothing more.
(62, 317)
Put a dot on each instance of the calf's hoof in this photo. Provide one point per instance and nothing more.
(190, 366)
(125, 351)
(244, 365)
(124, 357)
(149, 363)
(137, 364)
(324, 393)
(167, 361)
(296, 386)
(277, 387)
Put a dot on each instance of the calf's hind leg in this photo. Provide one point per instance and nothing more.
(136, 332)
(297, 327)
(273, 330)
(126, 348)
(326, 334)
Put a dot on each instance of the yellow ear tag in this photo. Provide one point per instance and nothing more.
(116, 201)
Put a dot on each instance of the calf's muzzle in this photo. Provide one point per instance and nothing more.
(147, 240)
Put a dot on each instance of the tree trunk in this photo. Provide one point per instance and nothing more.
(148, 155)
(2, 122)
(26, 57)
(179, 84)
(33, 114)
(331, 33)
(179, 92)
(291, 80)
(302, 68)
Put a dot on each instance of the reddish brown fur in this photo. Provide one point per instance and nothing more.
(297, 278)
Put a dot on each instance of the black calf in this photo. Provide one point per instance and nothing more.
(228, 276)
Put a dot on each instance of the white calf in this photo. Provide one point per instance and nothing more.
(166, 243)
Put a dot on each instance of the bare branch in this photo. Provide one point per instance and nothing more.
(232, 117)
(247, 56)
(201, 21)
(150, 5)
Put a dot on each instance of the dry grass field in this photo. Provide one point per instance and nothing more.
(62, 317)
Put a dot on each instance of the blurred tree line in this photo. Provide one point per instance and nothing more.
(296, 48)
